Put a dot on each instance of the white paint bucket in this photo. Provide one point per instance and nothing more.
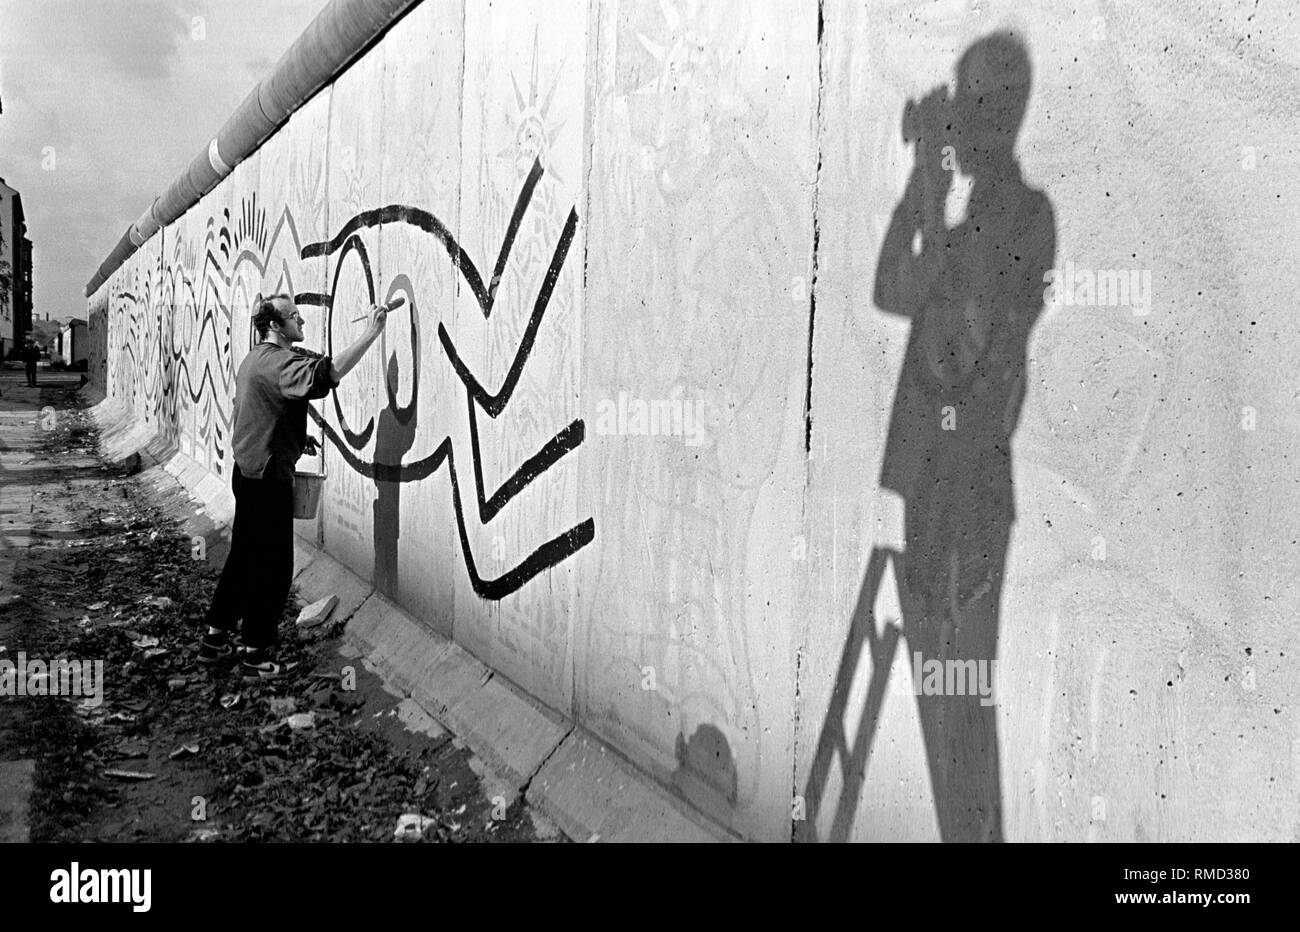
(306, 494)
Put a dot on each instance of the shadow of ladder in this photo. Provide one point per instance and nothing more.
(833, 743)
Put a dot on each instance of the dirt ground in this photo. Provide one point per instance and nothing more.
(92, 571)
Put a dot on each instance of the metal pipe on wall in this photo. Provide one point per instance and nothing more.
(340, 33)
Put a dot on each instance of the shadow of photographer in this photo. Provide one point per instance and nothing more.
(972, 293)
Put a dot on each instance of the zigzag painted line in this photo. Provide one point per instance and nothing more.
(543, 558)
(346, 240)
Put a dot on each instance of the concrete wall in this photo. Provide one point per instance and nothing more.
(70, 345)
(702, 195)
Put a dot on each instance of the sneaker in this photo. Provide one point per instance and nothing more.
(214, 648)
(257, 664)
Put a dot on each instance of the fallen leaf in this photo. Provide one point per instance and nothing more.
(131, 747)
(285, 706)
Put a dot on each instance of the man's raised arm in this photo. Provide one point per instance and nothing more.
(347, 360)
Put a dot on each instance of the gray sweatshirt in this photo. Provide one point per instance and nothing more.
(272, 389)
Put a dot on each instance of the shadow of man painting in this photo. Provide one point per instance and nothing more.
(973, 293)
(394, 437)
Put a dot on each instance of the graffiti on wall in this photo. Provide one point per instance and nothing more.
(351, 439)
(172, 337)
(168, 338)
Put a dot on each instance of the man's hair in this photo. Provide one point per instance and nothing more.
(266, 313)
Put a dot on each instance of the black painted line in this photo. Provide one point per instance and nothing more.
(543, 558)
(568, 439)
(421, 219)
(356, 439)
(521, 207)
(492, 403)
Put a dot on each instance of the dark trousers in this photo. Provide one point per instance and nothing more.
(31, 373)
(259, 569)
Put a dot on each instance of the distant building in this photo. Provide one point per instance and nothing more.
(16, 263)
(45, 334)
(72, 345)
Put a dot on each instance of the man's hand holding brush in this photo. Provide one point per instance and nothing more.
(348, 358)
(379, 309)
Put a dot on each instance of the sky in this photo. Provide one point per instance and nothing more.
(106, 101)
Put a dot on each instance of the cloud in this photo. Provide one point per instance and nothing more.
(137, 39)
(124, 93)
(143, 35)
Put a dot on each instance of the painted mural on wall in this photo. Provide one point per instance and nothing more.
(169, 329)
(350, 439)
(172, 340)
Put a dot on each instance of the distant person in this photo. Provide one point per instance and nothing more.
(274, 384)
(31, 355)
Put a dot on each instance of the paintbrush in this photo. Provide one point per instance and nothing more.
(390, 306)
